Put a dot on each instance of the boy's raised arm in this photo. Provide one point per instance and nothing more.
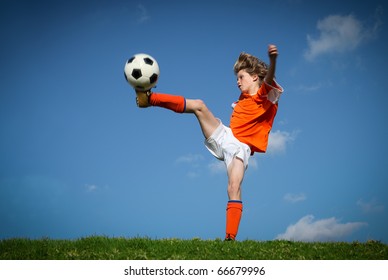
(272, 53)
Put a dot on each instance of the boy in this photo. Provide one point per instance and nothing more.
(250, 123)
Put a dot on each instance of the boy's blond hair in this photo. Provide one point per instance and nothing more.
(252, 65)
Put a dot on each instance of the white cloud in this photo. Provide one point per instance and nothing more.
(309, 88)
(339, 34)
(371, 206)
(293, 198)
(193, 162)
(193, 174)
(306, 229)
(217, 166)
(278, 140)
(190, 158)
(142, 14)
(91, 187)
(252, 163)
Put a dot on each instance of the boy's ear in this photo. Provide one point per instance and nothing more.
(255, 77)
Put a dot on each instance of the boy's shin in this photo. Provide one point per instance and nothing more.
(233, 216)
(175, 103)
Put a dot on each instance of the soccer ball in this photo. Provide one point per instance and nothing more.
(141, 72)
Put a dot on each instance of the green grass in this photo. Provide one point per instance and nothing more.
(105, 248)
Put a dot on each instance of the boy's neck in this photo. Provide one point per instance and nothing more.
(253, 90)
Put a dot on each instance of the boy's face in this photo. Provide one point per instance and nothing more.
(247, 83)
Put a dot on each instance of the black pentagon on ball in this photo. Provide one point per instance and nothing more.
(131, 59)
(136, 73)
(153, 78)
(148, 61)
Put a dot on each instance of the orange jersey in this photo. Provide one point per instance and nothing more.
(253, 116)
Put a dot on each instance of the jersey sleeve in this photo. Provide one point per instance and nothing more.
(274, 91)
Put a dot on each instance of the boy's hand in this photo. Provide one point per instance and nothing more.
(272, 51)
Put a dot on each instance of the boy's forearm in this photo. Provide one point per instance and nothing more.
(271, 71)
(273, 54)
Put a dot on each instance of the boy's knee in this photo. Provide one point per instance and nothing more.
(196, 106)
(199, 105)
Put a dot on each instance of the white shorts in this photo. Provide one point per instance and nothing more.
(224, 146)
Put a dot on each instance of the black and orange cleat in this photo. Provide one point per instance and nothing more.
(142, 98)
(229, 238)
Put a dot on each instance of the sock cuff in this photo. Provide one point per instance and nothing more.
(235, 204)
(235, 201)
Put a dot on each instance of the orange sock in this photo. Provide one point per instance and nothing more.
(172, 102)
(233, 217)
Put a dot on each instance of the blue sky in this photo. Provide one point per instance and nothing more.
(78, 158)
